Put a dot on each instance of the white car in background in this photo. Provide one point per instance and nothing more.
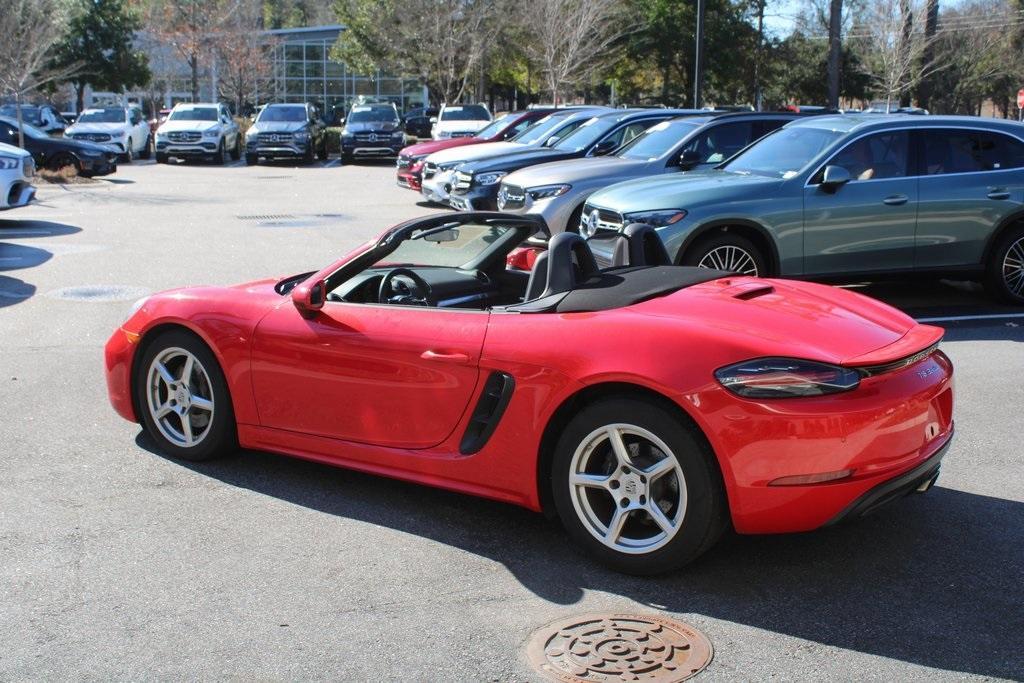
(123, 127)
(16, 171)
(198, 130)
(460, 121)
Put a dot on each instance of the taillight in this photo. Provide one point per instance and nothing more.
(786, 378)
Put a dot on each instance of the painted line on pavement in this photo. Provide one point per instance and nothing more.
(332, 163)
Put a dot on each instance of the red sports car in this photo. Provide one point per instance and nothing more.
(410, 159)
(649, 405)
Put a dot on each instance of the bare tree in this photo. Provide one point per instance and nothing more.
(244, 55)
(894, 45)
(571, 40)
(30, 29)
(190, 27)
(835, 47)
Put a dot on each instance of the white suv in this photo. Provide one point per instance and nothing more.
(198, 130)
(460, 121)
(16, 171)
(123, 127)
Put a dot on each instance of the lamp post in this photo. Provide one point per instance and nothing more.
(698, 59)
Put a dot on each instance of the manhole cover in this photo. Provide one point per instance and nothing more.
(619, 647)
(99, 293)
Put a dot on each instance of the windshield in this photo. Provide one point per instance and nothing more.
(658, 141)
(466, 112)
(194, 114)
(102, 116)
(282, 114)
(32, 114)
(450, 247)
(492, 129)
(784, 153)
(587, 134)
(367, 114)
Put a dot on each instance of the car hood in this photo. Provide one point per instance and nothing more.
(278, 127)
(681, 190)
(372, 127)
(482, 151)
(11, 150)
(173, 126)
(113, 128)
(460, 125)
(767, 317)
(577, 170)
(430, 147)
(514, 162)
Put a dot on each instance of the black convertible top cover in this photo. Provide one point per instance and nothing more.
(618, 287)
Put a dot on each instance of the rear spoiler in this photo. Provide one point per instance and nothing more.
(918, 342)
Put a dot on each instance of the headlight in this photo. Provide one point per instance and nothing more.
(301, 136)
(211, 133)
(655, 218)
(346, 133)
(786, 378)
(547, 191)
(490, 178)
(7, 163)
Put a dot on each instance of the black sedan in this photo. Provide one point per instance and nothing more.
(88, 158)
(477, 182)
(418, 122)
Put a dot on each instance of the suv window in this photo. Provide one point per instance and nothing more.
(721, 142)
(873, 157)
(969, 151)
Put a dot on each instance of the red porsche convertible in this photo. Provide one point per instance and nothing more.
(648, 405)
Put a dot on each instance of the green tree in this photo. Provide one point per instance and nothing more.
(99, 37)
(797, 69)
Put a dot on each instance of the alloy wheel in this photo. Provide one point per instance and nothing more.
(1013, 268)
(627, 488)
(730, 258)
(180, 397)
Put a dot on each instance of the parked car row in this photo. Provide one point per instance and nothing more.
(795, 194)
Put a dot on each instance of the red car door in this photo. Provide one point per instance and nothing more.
(386, 375)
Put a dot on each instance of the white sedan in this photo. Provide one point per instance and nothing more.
(16, 171)
(125, 128)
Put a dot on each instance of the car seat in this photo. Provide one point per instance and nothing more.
(567, 261)
(639, 245)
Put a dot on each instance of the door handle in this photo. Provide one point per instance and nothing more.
(998, 193)
(895, 199)
(455, 357)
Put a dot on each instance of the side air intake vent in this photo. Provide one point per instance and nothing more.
(489, 409)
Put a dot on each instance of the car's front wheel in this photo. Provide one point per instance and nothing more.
(129, 152)
(637, 486)
(147, 151)
(728, 251)
(182, 398)
(236, 151)
(1005, 269)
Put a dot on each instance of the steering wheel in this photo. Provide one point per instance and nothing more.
(391, 292)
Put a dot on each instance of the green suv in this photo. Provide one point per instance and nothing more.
(843, 196)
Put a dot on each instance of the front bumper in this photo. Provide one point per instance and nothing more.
(372, 149)
(438, 188)
(118, 355)
(476, 198)
(16, 194)
(278, 151)
(409, 179)
(198, 149)
(94, 166)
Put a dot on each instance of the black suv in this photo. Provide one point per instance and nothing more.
(419, 122)
(372, 130)
(286, 131)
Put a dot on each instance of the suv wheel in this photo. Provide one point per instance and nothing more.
(1005, 269)
(147, 151)
(129, 152)
(220, 157)
(236, 151)
(727, 251)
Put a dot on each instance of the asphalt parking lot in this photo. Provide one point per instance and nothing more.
(119, 563)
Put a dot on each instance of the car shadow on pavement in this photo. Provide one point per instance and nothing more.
(20, 256)
(934, 580)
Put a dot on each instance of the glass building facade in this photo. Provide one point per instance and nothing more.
(304, 72)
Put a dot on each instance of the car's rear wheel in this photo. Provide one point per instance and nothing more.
(637, 487)
(129, 152)
(147, 151)
(182, 398)
(236, 151)
(1005, 269)
(61, 161)
(725, 250)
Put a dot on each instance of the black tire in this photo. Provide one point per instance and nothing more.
(705, 515)
(252, 159)
(62, 160)
(346, 158)
(573, 225)
(161, 158)
(701, 253)
(1004, 272)
(236, 151)
(147, 151)
(129, 153)
(308, 156)
(321, 152)
(220, 156)
(220, 437)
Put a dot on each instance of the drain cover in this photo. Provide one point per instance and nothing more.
(619, 647)
(99, 293)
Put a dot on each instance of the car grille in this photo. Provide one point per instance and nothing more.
(184, 136)
(28, 167)
(404, 162)
(593, 219)
(511, 197)
(373, 137)
(463, 181)
(274, 137)
(92, 137)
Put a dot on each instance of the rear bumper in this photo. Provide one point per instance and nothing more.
(16, 194)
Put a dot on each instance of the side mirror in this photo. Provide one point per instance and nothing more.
(604, 147)
(834, 177)
(309, 297)
(689, 159)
